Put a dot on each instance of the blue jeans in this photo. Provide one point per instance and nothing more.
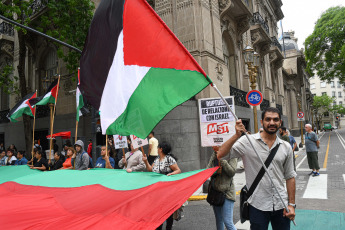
(224, 215)
(259, 220)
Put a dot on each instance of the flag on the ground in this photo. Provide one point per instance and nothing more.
(22, 107)
(92, 199)
(80, 103)
(49, 97)
(134, 69)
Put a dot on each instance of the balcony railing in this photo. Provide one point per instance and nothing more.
(3, 116)
(257, 19)
(276, 43)
(38, 5)
(280, 108)
(264, 104)
(6, 29)
(239, 96)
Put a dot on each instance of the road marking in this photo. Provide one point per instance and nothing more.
(301, 162)
(316, 188)
(309, 170)
(344, 177)
(326, 157)
(342, 141)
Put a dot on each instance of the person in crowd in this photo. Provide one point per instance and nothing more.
(112, 147)
(3, 158)
(293, 144)
(70, 158)
(55, 146)
(2, 148)
(133, 160)
(264, 204)
(21, 158)
(59, 159)
(82, 159)
(11, 159)
(105, 161)
(89, 148)
(165, 163)
(153, 145)
(283, 134)
(225, 173)
(312, 150)
(37, 145)
(39, 162)
(13, 147)
(64, 150)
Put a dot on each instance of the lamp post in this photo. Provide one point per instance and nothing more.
(252, 59)
(299, 102)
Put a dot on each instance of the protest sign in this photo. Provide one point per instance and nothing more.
(120, 142)
(138, 142)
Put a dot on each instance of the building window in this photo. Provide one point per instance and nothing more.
(340, 103)
(332, 84)
(339, 94)
(323, 84)
(324, 93)
(312, 86)
(50, 70)
(338, 84)
(333, 93)
(334, 103)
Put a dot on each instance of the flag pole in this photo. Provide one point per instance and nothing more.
(257, 154)
(106, 144)
(76, 131)
(124, 156)
(53, 116)
(51, 130)
(142, 150)
(33, 132)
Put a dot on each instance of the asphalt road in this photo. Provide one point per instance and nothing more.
(320, 200)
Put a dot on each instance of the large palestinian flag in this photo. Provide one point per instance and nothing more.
(49, 97)
(22, 107)
(134, 69)
(92, 199)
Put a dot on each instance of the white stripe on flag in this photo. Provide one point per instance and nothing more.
(121, 83)
(23, 105)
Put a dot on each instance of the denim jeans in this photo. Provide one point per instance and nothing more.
(224, 215)
(259, 220)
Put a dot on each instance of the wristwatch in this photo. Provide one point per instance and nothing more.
(293, 205)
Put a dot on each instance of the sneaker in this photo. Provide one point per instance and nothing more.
(316, 174)
(312, 172)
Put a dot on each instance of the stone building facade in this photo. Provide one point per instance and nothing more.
(215, 32)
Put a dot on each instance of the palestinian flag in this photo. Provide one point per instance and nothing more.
(92, 199)
(80, 103)
(22, 107)
(134, 69)
(49, 97)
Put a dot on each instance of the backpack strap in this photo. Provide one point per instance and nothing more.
(262, 170)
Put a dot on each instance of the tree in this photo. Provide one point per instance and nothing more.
(322, 104)
(325, 47)
(66, 20)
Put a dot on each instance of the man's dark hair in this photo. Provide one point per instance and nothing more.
(11, 150)
(90, 140)
(283, 128)
(152, 133)
(21, 152)
(272, 110)
(166, 149)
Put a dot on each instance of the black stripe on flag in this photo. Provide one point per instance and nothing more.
(99, 49)
(19, 103)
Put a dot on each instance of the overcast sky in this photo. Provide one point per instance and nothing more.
(301, 16)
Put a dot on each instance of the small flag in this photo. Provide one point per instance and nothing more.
(49, 97)
(22, 107)
(80, 103)
(134, 69)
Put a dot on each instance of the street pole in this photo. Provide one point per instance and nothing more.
(252, 76)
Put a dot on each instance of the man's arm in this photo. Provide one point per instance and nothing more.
(291, 189)
(225, 148)
(294, 146)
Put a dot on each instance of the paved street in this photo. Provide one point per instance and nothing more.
(320, 200)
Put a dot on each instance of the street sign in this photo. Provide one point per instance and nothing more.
(254, 97)
(300, 116)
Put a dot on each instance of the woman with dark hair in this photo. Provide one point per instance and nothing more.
(59, 159)
(70, 157)
(11, 159)
(40, 163)
(165, 163)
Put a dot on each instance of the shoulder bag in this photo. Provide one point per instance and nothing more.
(246, 194)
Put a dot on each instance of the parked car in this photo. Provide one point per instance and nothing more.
(334, 127)
(327, 127)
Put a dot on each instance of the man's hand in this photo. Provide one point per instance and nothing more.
(291, 215)
(239, 127)
(124, 160)
(144, 159)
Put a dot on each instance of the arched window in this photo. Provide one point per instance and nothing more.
(50, 69)
(229, 58)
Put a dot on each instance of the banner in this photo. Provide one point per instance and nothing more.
(120, 142)
(217, 124)
(138, 142)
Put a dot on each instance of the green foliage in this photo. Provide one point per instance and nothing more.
(7, 81)
(322, 104)
(338, 109)
(325, 47)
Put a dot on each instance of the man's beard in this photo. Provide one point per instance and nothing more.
(271, 132)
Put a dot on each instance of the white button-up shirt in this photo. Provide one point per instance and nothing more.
(265, 197)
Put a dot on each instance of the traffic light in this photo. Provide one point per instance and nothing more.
(337, 118)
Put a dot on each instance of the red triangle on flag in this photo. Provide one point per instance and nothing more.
(149, 42)
(28, 103)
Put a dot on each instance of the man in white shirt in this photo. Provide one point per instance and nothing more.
(153, 148)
